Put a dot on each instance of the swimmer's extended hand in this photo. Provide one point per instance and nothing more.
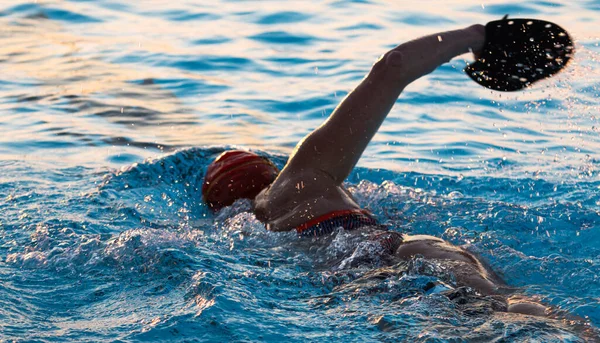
(335, 147)
(519, 52)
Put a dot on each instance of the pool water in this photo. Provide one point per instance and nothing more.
(111, 112)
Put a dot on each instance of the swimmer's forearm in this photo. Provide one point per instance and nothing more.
(411, 60)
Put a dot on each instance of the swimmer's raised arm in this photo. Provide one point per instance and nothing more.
(336, 146)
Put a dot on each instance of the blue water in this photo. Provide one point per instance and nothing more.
(111, 111)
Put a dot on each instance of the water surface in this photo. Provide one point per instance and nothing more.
(110, 113)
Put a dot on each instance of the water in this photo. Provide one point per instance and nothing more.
(111, 111)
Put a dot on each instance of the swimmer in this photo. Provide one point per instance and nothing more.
(308, 194)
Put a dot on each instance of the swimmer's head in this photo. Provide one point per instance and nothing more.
(236, 174)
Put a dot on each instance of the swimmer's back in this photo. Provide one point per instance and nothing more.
(468, 270)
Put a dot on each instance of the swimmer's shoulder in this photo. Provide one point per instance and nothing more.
(295, 198)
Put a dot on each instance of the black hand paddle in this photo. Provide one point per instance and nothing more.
(519, 52)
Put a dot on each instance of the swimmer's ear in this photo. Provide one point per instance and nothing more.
(519, 52)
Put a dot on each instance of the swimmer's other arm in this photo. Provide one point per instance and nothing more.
(336, 146)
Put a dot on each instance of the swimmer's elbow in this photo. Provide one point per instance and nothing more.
(394, 59)
(391, 63)
(396, 65)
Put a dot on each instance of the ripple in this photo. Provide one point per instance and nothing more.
(213, 63)
(361, 27)
(284, 17)
(183, 15)
(419, 18)
(212, 40)
(549, 3)
(36, 11)
(514, 9)
(282, 37)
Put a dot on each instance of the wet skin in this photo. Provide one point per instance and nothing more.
(311, 183)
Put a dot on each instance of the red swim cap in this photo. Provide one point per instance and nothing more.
(235, 175)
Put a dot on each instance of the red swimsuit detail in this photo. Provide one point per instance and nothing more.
(350, 220)
(346, 219)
